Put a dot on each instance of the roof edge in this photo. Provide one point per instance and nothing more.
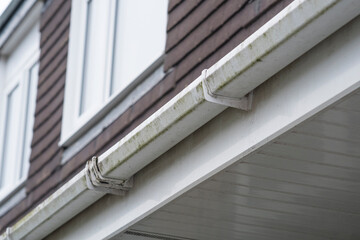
(19, 15)
(189, 110)
(9, 12)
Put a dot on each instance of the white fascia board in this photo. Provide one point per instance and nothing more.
(287, 36)
(310, 84)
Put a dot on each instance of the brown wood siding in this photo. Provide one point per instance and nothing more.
(173, 4)
(191, 22)
(199, 33)
(215, 27)
(181, 12)
(46, 155)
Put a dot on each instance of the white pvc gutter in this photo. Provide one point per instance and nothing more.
(287, 36)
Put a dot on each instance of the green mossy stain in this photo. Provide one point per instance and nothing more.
(268, 51)
(143, 144)
(139, 138)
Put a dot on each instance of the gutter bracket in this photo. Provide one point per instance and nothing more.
(95, 180)
(243, 103)
(7, 234)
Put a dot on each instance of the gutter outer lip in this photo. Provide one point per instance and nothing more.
(229, 75)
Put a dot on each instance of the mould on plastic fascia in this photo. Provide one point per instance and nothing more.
(154, 129)
(263, 37)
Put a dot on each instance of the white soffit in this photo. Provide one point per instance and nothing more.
(302, 185)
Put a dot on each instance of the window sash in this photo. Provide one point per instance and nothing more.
(17, 126)
(29, 120)
(147, 30)
(92, 66)
(10, 137)
(95, 52)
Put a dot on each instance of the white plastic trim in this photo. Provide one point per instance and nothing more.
(276, 44)
(300, 92)
(96, 181)
(243, 103)
(25, 17)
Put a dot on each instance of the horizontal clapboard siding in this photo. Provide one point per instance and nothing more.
(46, 155)
(199, 33)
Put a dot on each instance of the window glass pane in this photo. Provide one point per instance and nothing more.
(139, 39)
(96, 35)
(11, 134)
(29, 120)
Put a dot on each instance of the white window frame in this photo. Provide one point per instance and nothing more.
(74, 124)
(21, 79)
